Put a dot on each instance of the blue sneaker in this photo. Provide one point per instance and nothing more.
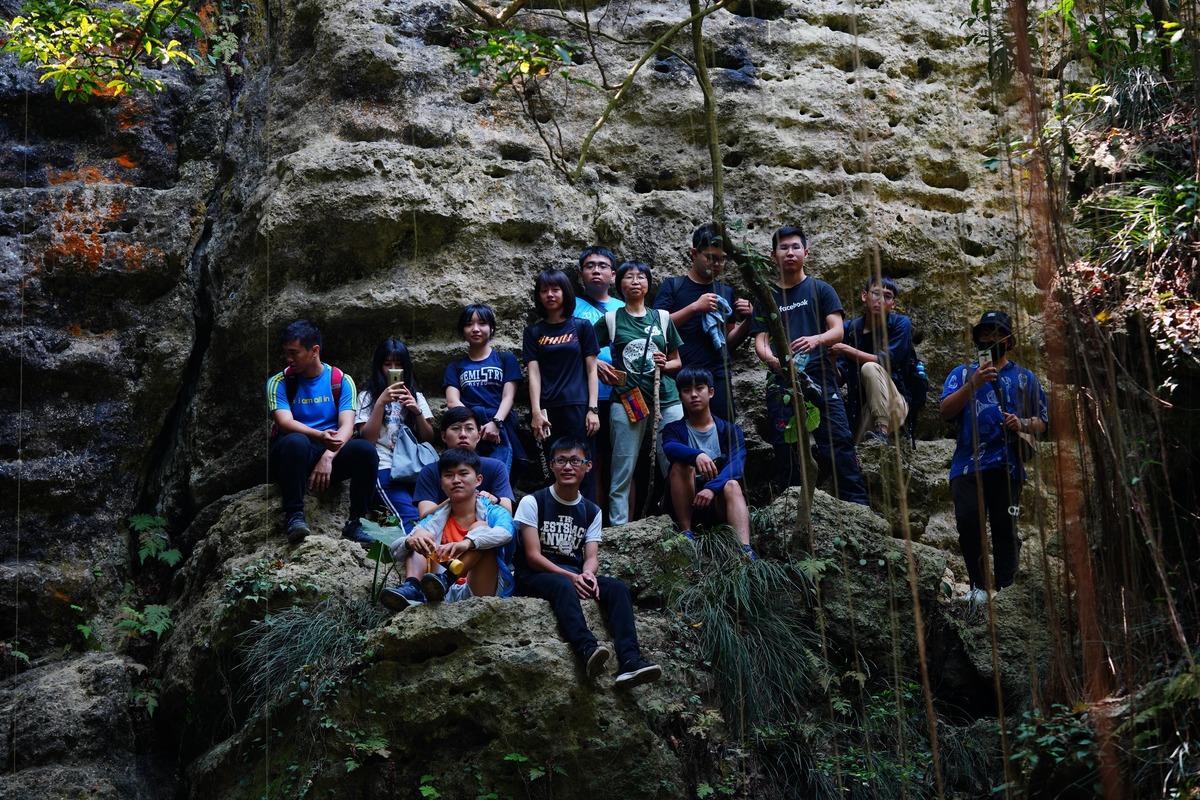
(749, 551)
(405, 595)
(434, 586)
(689, 535)
(296, 527)
(353, 530)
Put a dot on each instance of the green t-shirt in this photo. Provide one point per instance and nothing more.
(629, 352)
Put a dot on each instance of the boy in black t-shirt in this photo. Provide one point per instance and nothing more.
(557, 560)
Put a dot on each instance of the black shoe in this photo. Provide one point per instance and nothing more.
(434, 586)
(596, 660)
(295, 527)
(637, 672)
(353, 530)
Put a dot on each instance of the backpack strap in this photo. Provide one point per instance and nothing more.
(610, 322)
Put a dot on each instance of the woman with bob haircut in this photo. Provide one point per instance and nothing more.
(386, 406)
(486, 382)
(560, 352)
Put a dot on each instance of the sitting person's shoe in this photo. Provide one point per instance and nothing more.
(689, 534)
(977, 598)
(749, 551)
(596, 660)
(295, 527)
(353, 530)
(434, 587)
(637, 672)
(877, 436)
(406, 594)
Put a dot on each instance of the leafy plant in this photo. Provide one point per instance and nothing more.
(153, 619)
(153, 541)
(261, 580)
(12, 659)
(381, 553)
(146, 697)
(1044, 744)
(86, 48)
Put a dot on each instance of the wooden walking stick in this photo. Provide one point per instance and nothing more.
(653, 443)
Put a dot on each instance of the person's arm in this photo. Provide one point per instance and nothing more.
(450, 385)
(762, 348)
(673, 363)
(427, 490)
(735, 462)
(736, 332)
(538, 421)
(534, 559)
(675, 446)
(828, 338)
(453, 397)
(371, 429)
(953, 403)
(592, 419)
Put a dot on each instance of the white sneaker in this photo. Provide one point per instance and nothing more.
(977, 597)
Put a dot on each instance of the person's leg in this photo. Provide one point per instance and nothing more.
(290, 460)
(626, 442)
(572, 421)
(397, 498)
(618, 610)
(482, 570)
(968, 518)
(834, 445)
(559, 591)
(1002, 496)
(601, 460)
(722, 402)
(731, 507)
(879, 396)
(787, 462)
(683, 492)
(670, 414)
(359, 461)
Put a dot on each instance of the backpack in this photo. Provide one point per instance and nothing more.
(916, 382)
(291, 385)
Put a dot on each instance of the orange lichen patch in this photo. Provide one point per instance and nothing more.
(89, 173)
(126, 161)
(208, 16)
(85, 240)
(132, 114)
(74, 330)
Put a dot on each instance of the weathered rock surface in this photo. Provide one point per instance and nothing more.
(152, 248)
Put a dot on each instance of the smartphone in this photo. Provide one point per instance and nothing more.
(985, 358)
(395, 376)
(620, 376)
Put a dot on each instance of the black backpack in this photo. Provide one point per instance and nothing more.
(916, 382)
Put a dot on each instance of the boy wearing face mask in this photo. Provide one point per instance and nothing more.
(990, 401)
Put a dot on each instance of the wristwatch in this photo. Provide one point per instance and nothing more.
(499, 422)
(594, 410)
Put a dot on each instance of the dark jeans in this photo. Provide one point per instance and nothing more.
(559, 591)
(1001, 496)
(722, 404)
(835, 446)
(570, 421)
(292, 457)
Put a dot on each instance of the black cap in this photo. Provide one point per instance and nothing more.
(990, 320)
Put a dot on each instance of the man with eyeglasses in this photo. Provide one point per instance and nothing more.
(695, 302)
(557, 559)
(461, 427)
(874, 350)
(812, 318)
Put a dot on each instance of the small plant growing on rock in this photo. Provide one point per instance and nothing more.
(153, 541)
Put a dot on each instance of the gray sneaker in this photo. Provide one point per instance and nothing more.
(637, 672)
(596, 660)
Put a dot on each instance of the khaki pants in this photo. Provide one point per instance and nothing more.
(882, 402)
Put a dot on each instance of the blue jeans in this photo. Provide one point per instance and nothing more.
(626, 445)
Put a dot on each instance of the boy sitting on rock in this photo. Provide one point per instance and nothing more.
(557, 561)
(468, 528)
(708, 458)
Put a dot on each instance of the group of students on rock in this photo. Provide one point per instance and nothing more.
(599, 367)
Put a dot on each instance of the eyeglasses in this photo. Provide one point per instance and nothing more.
(878, 294)
(597, 265)
(783, 248)
(714, 258)
(574, 461)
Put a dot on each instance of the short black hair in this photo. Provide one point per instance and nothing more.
(689, 377)
(564, 444)
(884, 282)
(459, 415)
(554, 277)
(486, 316)
(789, 230)
(598, 250)
(640, 266)
(456, 457)
(707, 235)
(303, 331)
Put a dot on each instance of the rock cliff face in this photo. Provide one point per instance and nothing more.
(151, 249)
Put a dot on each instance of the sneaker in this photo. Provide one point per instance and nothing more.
(434, 587)
(296, 528)
(596, 660)
(406, 594)
(977, 597)
(689, 535)
(749, 551)
(876, 437)
(353, 530)
(637, 672)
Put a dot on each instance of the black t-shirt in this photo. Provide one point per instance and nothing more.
(560, 349)
(563, 528)
(803, 309)
(697, 349)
